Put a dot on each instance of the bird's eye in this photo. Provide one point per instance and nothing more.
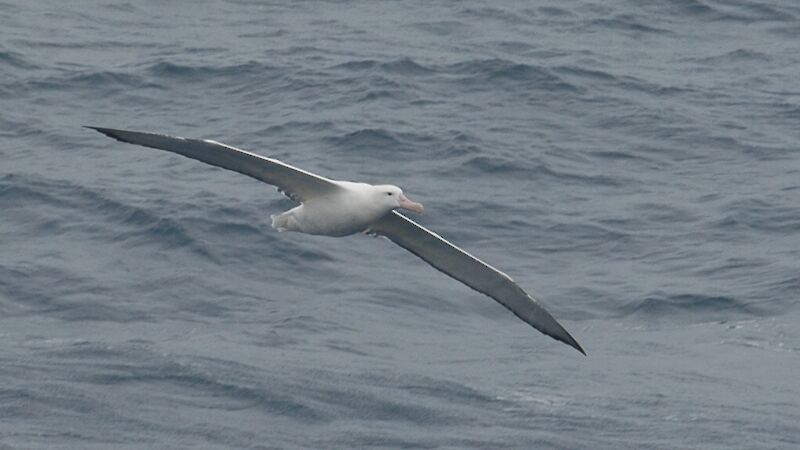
(389, 194)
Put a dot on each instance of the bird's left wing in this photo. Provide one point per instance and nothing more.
(471, 271)
(297, 184)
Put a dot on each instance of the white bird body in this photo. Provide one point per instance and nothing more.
(346, 211)
(341, 208)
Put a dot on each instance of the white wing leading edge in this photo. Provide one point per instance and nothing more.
(295, 183)
(471, 271)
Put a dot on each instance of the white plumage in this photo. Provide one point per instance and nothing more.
(340, 208)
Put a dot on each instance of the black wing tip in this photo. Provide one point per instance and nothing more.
(567, 338)
(110, 132)
(574, 344)
(100, 129)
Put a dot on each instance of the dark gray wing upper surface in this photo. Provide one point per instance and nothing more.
(471, 271)
(297, 184)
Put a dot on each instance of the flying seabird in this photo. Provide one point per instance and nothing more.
(340, 208)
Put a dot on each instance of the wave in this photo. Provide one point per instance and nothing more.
(478, 72)
(16, 60)
(500, 15)
(736, 57)
(625, 22)
(745, 11)
(172, 70)
(119, 222)
(489, 72)
(403, 66)
(692, 308)
(378, 141)
(759, 214)
(96, 81)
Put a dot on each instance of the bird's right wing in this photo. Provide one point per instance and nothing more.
(295, 183)
(471, 271)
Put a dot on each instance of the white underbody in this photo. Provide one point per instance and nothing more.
(347, 212)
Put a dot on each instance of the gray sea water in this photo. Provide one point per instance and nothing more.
(632, 164)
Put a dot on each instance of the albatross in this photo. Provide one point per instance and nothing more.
(340, 208)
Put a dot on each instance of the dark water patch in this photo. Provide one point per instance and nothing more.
(449, 390)
(357, 66)
(45, 400)
(99, 81)
(36, 288)
(380, 95)
(122, 7)
(305, 323)
(377, 141)
(625, 22)
(488, 73)
(761, 215)
(620, 155)
(744, 11)
(692, 9)
(497, 165)
(46, 290)
(652, 212)
(169, 233)
(586, 73)
(143, 227)
(104, 44)
(408, 300)
(517, 48)
(403, 66)
(378, 439)
(443, 28)
(15, 60)
(98, 303)
(267, 34)
(736, 57)
(10, 8)
(456, 144)
(199, 385)
(502, 16)
(630, 83)
(585, 236)
(187, 72)
(406, 66)
(343, 346)
(15, 191)
(692, 308)
(230, 229)
(298, 126)
(762, 12)
(552, 11)
(585, 179)
(370, 403)
(140, 226)
(786, 31)
(105, 79)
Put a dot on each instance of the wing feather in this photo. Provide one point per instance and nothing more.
(471, 271)
(297, 184)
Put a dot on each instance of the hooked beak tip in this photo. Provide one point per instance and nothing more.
(405, 203)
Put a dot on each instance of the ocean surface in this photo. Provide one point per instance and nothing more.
(634, 165)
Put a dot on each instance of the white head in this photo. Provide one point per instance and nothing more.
(392, 197)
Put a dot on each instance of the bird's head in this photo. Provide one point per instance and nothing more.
(392, 197)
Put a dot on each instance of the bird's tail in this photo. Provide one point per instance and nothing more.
(280, 221)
